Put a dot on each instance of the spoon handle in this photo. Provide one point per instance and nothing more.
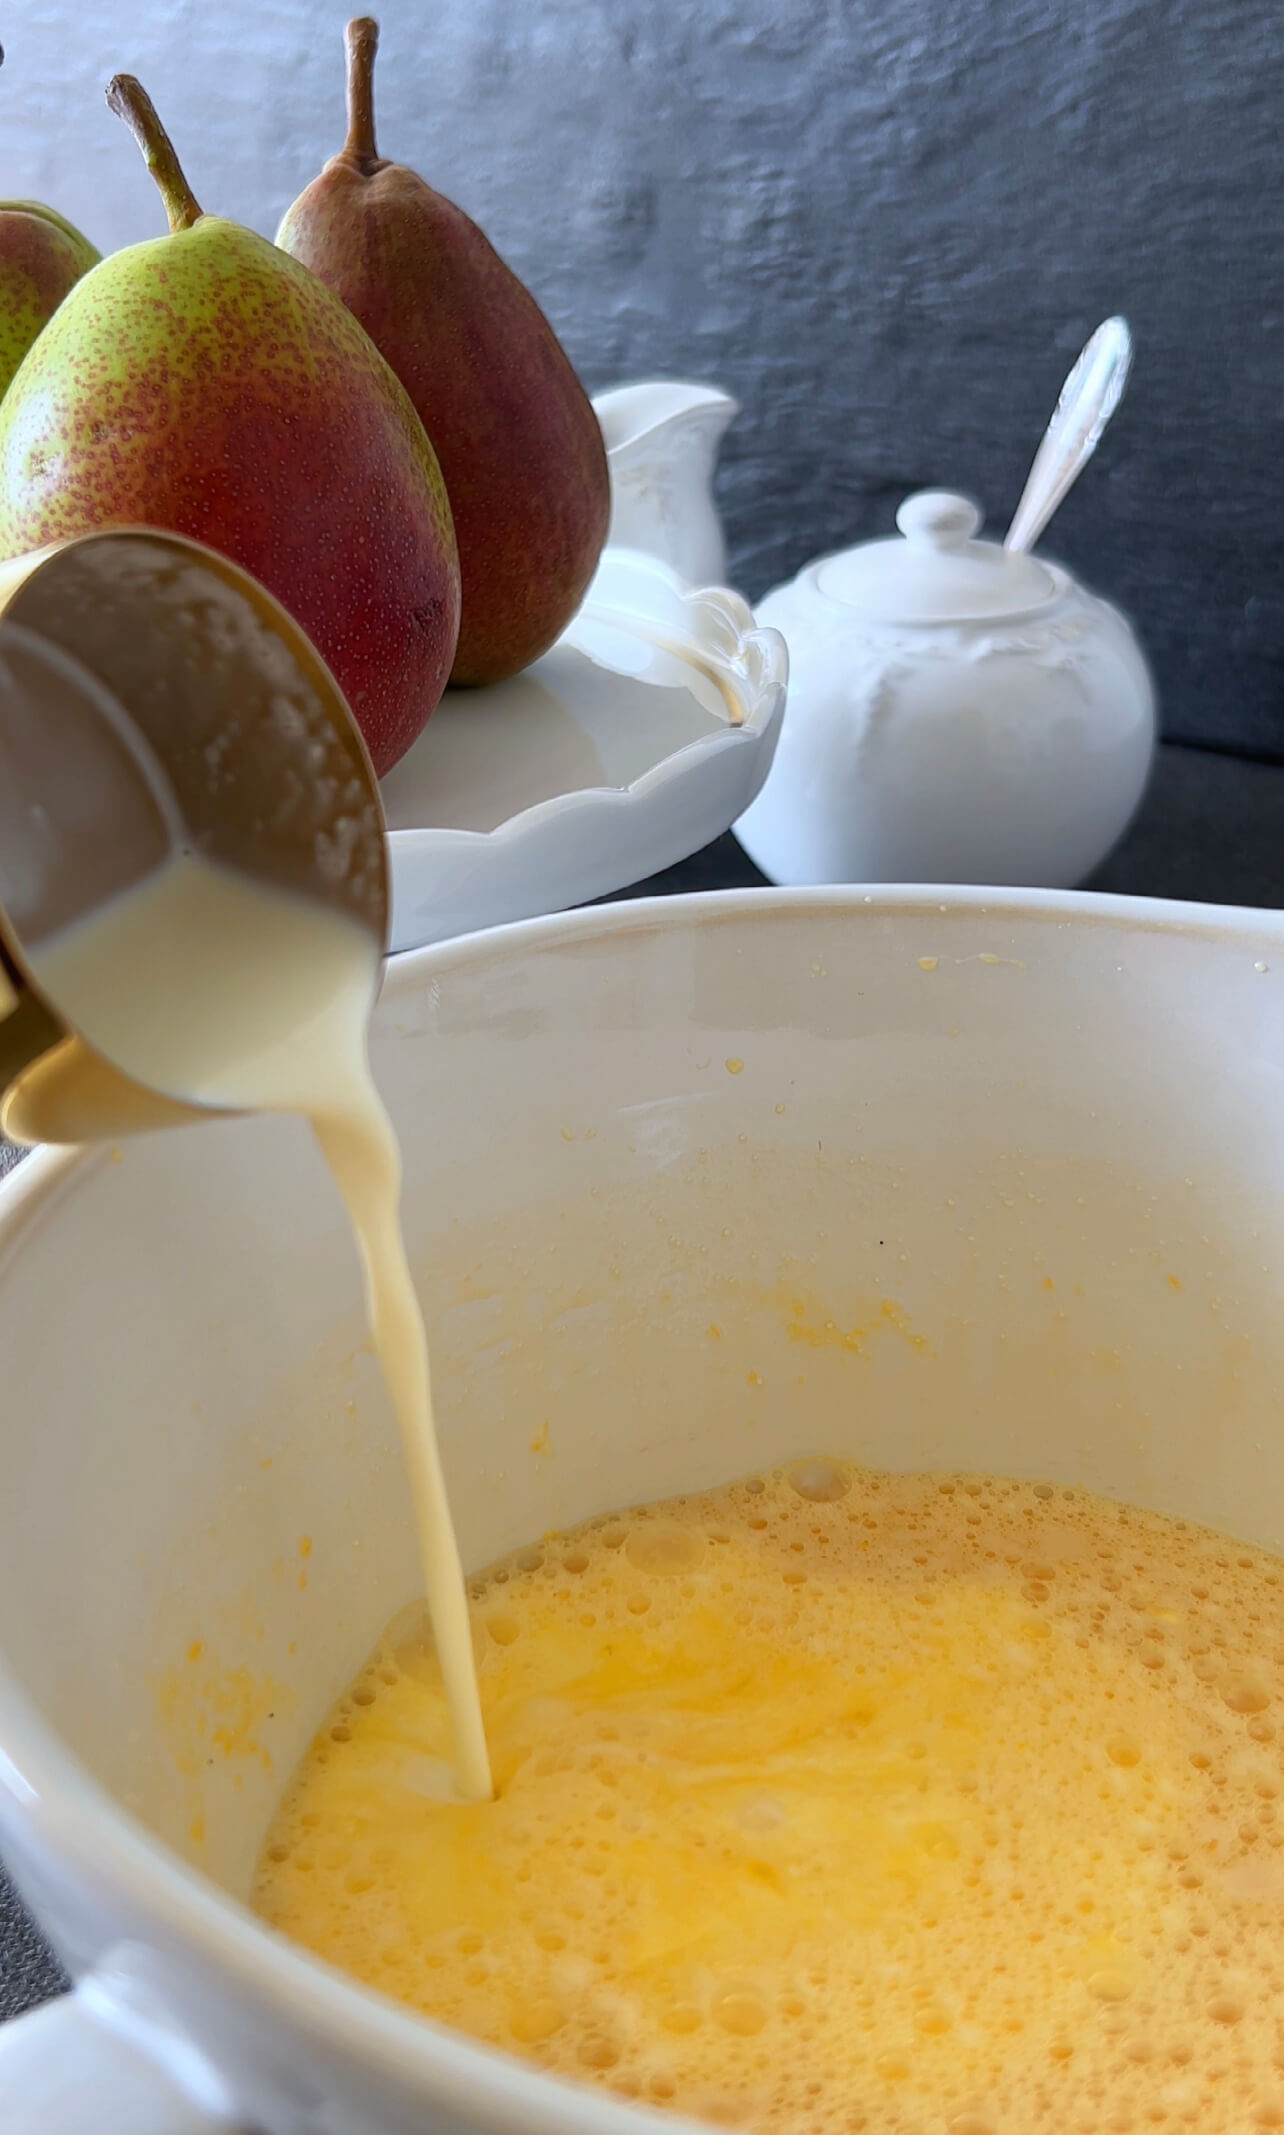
(1088, 399)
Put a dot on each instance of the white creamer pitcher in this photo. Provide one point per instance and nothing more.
(662, 440)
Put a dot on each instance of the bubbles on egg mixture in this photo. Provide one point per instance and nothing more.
(832, 1801)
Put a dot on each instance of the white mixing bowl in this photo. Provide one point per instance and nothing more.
(983, 1180)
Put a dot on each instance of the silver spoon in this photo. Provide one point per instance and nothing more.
(1087, 401)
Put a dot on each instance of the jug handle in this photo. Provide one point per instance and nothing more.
(104, 2060)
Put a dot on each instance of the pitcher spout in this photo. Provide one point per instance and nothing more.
(662, 438)
(640, 417)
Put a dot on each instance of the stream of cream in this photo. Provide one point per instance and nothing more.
(209, 986)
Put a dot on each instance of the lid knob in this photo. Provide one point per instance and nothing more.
(938, 519)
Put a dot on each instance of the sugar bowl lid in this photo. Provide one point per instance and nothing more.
(939, 572)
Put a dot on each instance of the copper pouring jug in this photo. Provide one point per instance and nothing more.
(155, 700)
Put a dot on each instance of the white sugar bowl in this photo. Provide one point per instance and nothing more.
(958, 712)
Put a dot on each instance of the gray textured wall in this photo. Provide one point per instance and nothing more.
(886, 226)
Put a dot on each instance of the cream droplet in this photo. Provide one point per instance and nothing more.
(820, 1480)
(665, 1548)
(1244, 1695)
(742, 2014)
(536, 2019)
(1109, 1985)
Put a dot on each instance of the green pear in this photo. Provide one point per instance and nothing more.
(42, 256)
(206, 383)
(514, 431)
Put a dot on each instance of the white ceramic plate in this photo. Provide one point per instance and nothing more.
(617, 754)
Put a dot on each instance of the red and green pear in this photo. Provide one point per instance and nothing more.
(42, 256)
(207, 383)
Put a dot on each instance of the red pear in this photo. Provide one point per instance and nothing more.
(514, 430)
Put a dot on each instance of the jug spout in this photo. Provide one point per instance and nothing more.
(662, 438)
(649, 417)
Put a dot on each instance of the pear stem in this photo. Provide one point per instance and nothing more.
(130, 101)
(362, 40)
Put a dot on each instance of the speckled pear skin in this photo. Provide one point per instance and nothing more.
(515, 433)
(206, 383)
(42, 256)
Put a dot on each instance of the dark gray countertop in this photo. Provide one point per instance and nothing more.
(1211, 828)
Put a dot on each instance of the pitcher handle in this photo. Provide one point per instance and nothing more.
(106, 2060)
